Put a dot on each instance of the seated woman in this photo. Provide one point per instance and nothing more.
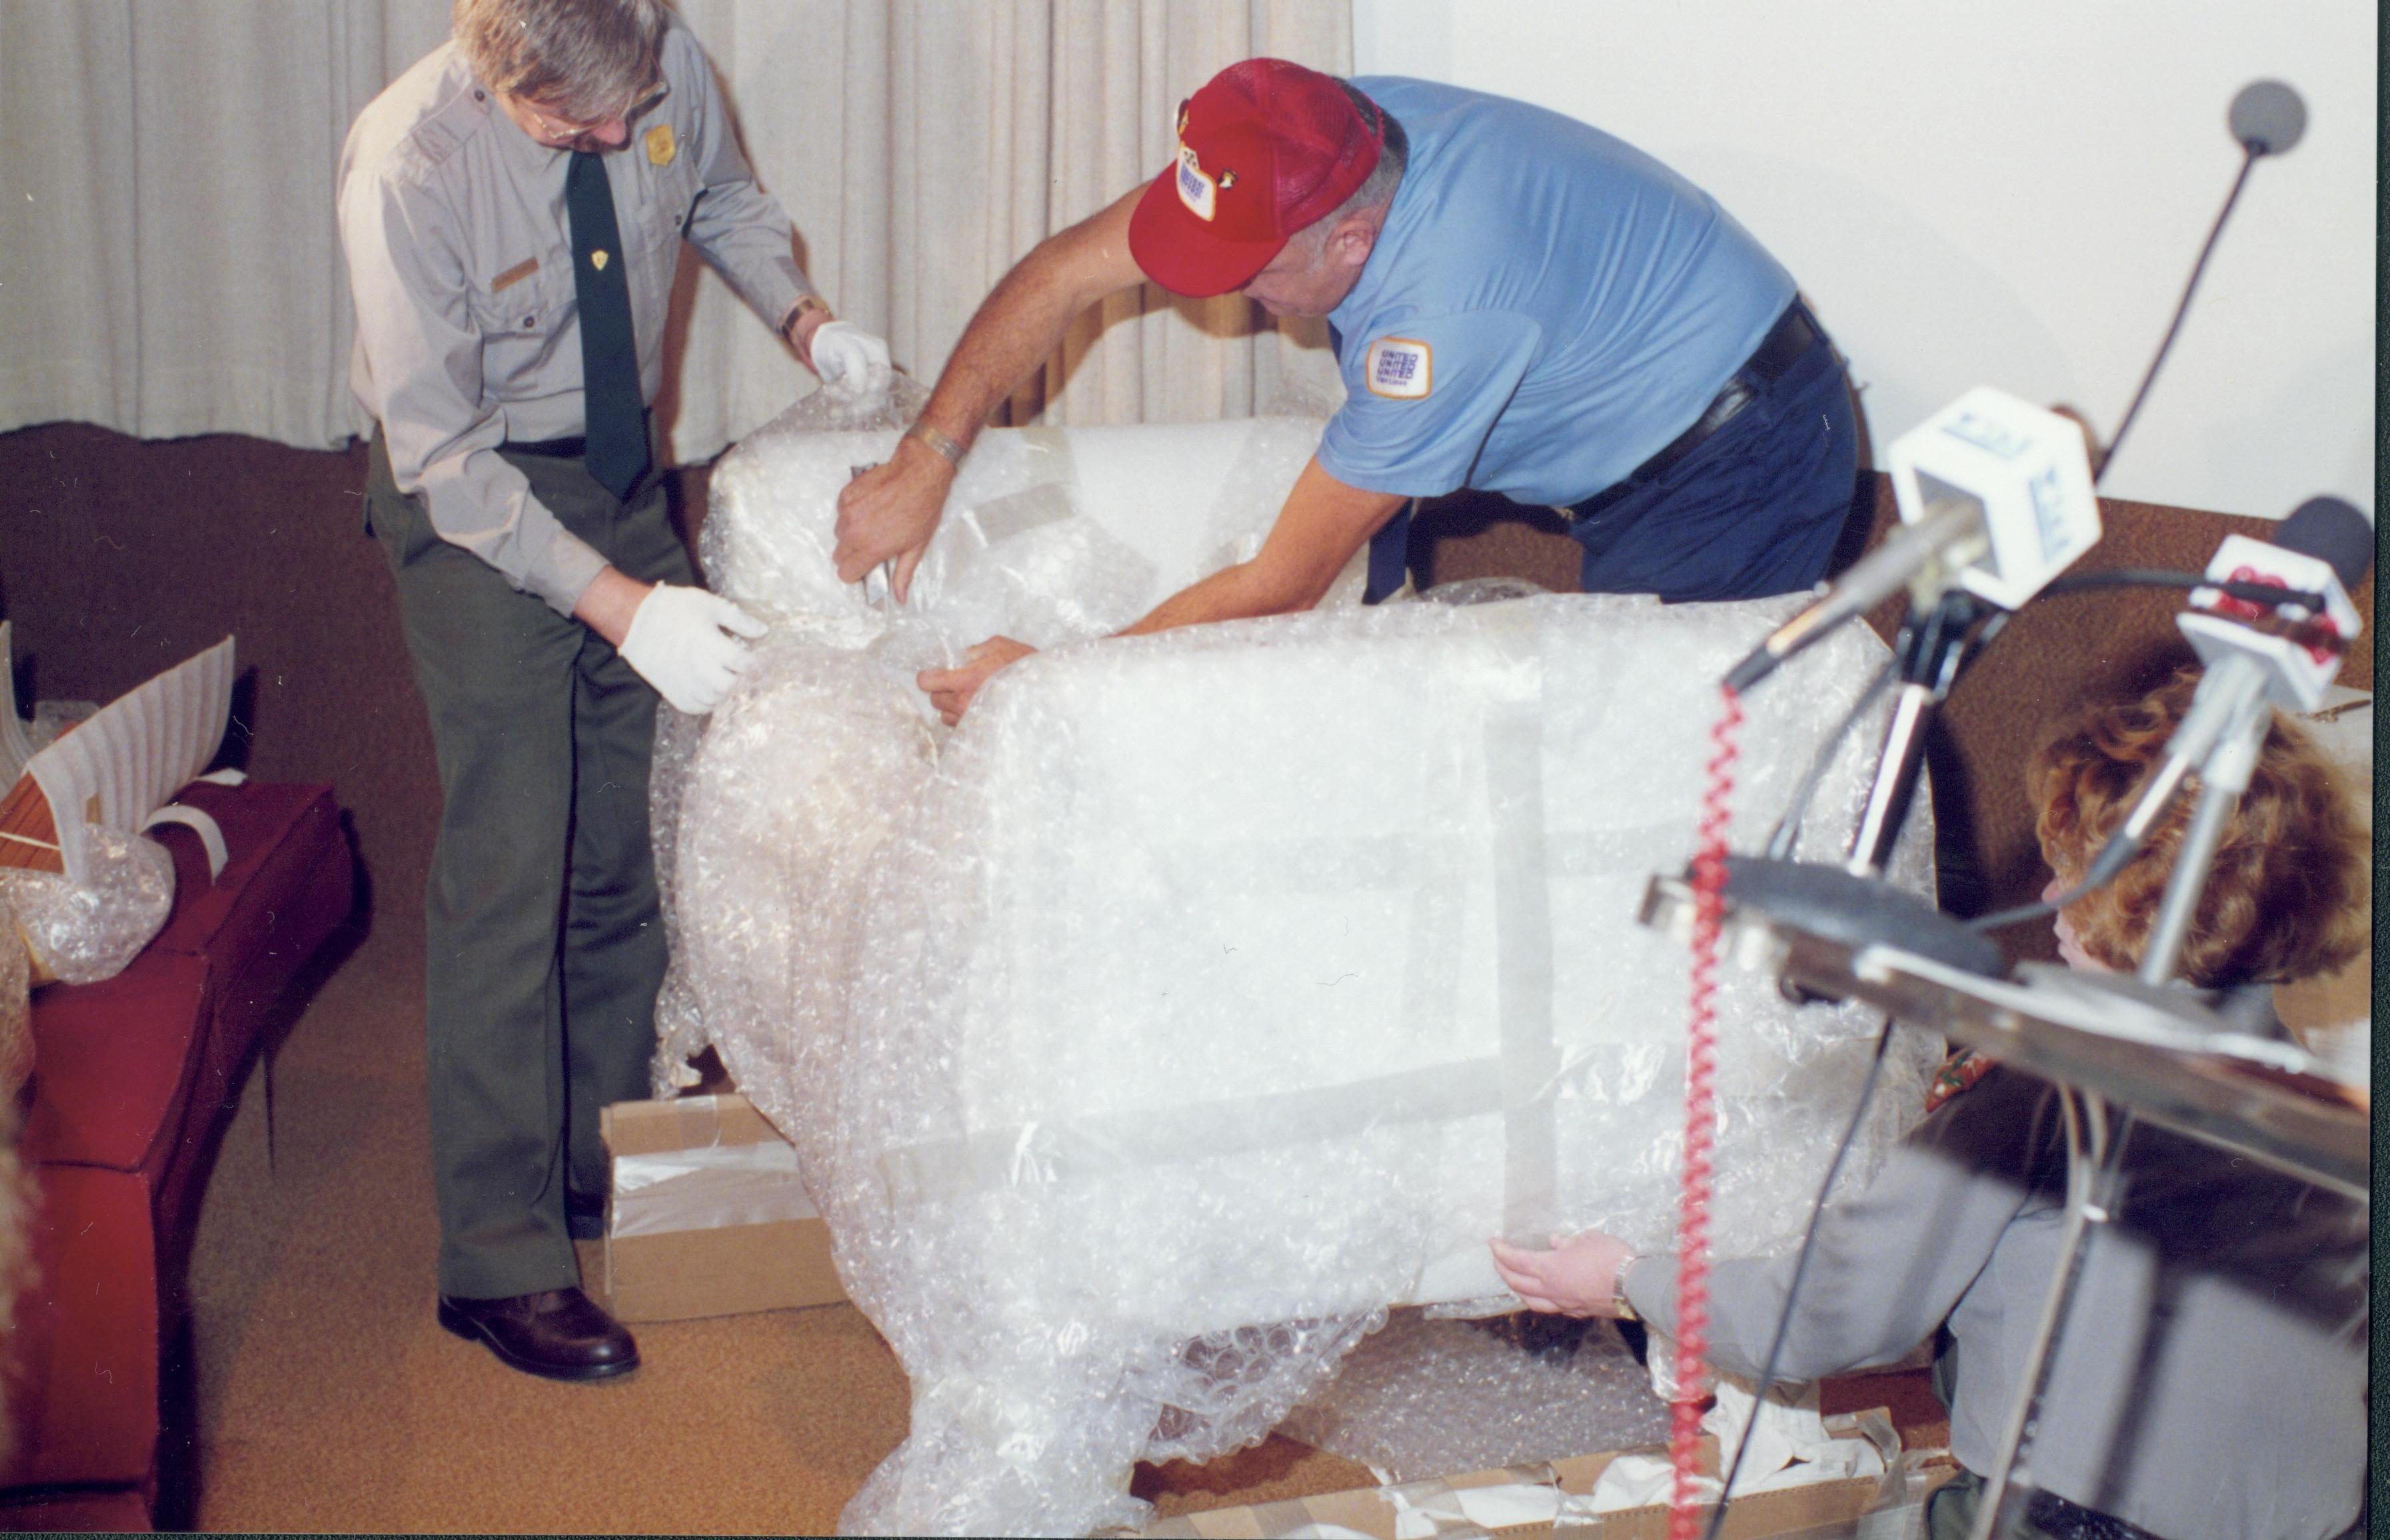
(2210, 1383)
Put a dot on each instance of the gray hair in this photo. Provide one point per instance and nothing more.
(586, 58)
(1378, 187)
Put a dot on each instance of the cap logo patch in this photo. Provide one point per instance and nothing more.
(1199, 192)
(1399, 367)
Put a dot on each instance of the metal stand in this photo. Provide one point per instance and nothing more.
(2094, 1168)
(2222, 780)
(1932, 646)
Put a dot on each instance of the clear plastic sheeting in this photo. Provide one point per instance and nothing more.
(82, 932)
(1426, 1398)
(1207, 994)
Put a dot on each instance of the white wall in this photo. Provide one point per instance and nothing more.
(2008, 195)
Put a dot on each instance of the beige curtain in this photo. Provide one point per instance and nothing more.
(923, 146)
(169, 263)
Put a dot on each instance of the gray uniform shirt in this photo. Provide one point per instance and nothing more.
(460, 257)
(2211, 1381)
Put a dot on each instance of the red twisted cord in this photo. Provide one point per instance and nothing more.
(1701, 1119)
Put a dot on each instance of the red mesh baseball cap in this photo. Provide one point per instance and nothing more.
(1265, 149)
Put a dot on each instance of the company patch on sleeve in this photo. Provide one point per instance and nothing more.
(1399, 367)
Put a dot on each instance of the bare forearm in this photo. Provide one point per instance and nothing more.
(1323, 524)
(1231, 593)
(1022, 319)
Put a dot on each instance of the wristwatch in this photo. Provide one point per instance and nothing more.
(805, 305)
(1622, 1308)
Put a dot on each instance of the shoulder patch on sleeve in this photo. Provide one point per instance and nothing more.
(1399, 367)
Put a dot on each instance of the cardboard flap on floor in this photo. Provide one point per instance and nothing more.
(1553, 1498)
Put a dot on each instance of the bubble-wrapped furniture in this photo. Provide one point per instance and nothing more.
(1205, 995)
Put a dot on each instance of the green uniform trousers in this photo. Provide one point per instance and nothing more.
(543, 946)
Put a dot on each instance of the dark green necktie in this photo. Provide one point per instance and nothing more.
(614, 416)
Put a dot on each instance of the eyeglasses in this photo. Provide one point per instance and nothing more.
(565, 129)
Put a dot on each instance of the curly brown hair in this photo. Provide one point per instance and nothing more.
(2285, 895)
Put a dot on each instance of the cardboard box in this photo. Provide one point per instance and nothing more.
(1531, 1502)
(706, 1216)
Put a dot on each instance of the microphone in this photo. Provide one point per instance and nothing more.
(1995, 498)
(1948, 533)
(2268, 117)
(2253, 658)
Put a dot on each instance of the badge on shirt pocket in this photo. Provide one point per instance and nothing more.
(1399, 367)
(660, 145)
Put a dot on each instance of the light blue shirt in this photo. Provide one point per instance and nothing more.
(1545, 308)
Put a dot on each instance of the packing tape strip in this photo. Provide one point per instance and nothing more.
(1513, 734)
(707, 1188)
(1043, 1153)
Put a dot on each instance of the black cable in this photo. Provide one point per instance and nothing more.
(1800, 1266)
(2138, 577)
(2158, 577)
(2115, 439)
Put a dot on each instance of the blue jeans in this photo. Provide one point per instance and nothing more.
(1756, 510)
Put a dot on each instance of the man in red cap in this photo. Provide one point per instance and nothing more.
(1519, 303)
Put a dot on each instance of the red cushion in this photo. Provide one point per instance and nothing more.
(274, 833)
(113, 1062)
(86, 1337)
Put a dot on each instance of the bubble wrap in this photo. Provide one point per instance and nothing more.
(1205, 995)
(1426, 1398)
(86, 931)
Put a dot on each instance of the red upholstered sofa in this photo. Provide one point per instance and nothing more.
(134, 1079)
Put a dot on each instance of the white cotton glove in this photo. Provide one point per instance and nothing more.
(679, 641)
(849, 359)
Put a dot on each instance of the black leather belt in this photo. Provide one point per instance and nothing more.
(1793, 334)
(552, 449)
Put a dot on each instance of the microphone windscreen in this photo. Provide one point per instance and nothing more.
(2333, 532)
(2268, 117)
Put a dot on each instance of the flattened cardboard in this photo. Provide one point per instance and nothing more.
(1831, 1507)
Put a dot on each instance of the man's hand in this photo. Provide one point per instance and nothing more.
(678, 640)
(891, 511)
(1578, 1276)
(849, 358)
(951, 689)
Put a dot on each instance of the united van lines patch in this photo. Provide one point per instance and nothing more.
(1199, 192)
(1399, 367)
(660, 145)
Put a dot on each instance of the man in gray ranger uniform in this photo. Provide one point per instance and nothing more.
(512, 208)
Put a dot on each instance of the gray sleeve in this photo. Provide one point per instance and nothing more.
(423, 352)
(739, 228)
(1889, 1263)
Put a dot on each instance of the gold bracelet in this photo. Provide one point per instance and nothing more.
(953, 452)
(1618, 1299)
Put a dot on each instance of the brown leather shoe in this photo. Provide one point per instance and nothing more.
(560, 1334)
